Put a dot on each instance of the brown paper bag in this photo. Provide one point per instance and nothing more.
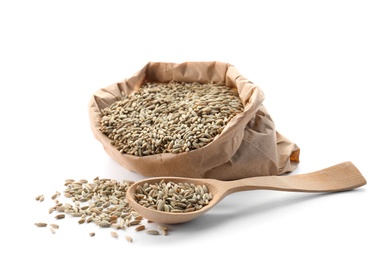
(248, 146)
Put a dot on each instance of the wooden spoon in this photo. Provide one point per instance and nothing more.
(340, 177)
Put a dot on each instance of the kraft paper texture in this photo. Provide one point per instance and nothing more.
(248, 146)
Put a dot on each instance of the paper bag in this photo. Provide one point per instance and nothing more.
(248, 146)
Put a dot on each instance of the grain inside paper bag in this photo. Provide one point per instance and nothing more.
(172, 117)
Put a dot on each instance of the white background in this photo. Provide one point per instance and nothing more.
(323, 66)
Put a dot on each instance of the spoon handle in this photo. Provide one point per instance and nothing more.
(339, 177)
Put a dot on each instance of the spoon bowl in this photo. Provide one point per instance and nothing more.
(174, 218)
(340, 177)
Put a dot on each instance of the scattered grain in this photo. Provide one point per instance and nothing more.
(101, 201)
(139, 228)
(153, 232)
(129, 238)
(55, 195)
(55, 226)
(60, 216)
(164, 230)
(41, 224)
